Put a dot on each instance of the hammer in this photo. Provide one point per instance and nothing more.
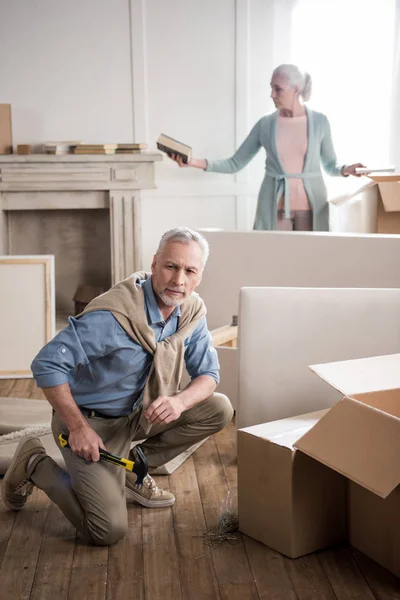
(139, 467)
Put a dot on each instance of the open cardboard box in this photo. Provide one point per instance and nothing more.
(287, 500)
(357, 441)
(388, 213)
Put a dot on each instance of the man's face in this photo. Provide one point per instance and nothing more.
(176, 272)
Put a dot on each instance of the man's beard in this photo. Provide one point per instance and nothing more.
(170, 301)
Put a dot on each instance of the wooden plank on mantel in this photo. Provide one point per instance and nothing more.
(81, 158)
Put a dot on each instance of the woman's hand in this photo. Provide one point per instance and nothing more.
(351, 170)
(178, 159)
(198, 163)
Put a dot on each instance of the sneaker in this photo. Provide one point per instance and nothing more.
(16, 485)
(149, 494)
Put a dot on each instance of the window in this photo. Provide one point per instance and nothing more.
(347, 46)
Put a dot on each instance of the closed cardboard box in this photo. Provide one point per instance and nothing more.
(5, 129)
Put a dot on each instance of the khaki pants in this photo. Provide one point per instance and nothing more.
(92, 495)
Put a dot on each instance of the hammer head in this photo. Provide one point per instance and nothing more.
(140, 467)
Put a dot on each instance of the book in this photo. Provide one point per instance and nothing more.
(132, 146)
(367, 171)
(60, 147)
(171, 146)
(97, 147)
(6, 145)
(94, 151)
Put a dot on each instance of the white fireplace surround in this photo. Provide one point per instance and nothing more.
(51, 182)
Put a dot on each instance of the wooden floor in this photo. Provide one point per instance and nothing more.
(163, 556)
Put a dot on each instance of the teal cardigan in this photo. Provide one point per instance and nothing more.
(275, 184)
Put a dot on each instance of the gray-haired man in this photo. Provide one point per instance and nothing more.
(112, 377)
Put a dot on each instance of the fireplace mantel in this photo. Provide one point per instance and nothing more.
(51, 182)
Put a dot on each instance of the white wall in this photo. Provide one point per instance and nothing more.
(66, 69)
(125, 70)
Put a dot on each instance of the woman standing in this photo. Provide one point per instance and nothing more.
(297, 140)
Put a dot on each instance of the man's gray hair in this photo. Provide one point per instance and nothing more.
(297, 78)
(184, 235)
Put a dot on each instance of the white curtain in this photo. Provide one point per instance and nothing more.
(395, 122)
(348, 47)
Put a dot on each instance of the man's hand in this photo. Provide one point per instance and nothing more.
(86, 443)
(165, 409)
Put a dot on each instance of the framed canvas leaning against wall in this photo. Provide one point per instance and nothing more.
(27, 311)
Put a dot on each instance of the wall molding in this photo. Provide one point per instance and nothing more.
(237, 186)
(138, 47)
(242, 101)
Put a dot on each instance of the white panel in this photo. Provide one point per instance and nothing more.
(68, 69)
(262, 63)
(269, 258)
(161, 214)
(191, 75)
(284, 330)
(193, 96)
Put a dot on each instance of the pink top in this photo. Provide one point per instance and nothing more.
(292, 147)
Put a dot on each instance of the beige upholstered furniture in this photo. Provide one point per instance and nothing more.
(300, 259)
(270, 258)
(283, 330)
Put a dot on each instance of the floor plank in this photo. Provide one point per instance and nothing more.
(125, 561)
(309, 578)
(22, 388)
(36, 392)
(89, 572)
(384, 585)
(272, 579)
(198, 581)
(6, 386)
(53, 571)
(235, 577)
(161, 569)
(20, 559)
(7, 519)
(344, 575)
(226, 441)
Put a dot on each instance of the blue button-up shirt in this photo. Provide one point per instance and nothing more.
(105, 368)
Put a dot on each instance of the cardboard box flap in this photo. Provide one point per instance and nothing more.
(384, 177)
(358, 441)
(285, 432)
(390, 194)
(361, 376)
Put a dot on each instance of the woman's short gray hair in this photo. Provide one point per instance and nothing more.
(184, 235)
(297, 78)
